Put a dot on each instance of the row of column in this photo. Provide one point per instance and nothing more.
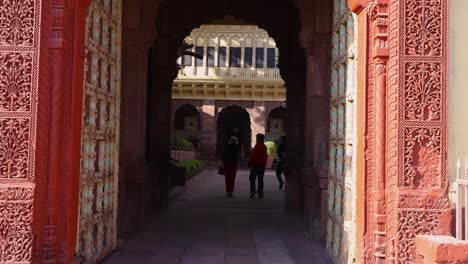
(228, 57)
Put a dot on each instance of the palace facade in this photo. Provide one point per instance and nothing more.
(235, 89)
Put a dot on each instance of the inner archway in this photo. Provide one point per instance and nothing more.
(233, 121)
(187, 124)
(276, 124)
(187, 118)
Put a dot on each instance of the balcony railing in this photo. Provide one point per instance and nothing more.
(229, 90)
(462, 201)
(206, 72)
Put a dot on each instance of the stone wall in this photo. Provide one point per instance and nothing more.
(458, 82)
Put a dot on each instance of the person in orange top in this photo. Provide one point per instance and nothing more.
(257, 166)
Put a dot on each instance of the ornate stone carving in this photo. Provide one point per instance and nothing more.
(426, 203)
(16, 207)
(422, 158)
(19, 68)
(418, 215)
(411, 224)
(15, 81)
(378, 13)
(424, 209)
(392, 135)
(423, 91)
(17, 22)
(423, 27)
(14, 148)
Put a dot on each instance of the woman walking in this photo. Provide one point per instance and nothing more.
(230, 157)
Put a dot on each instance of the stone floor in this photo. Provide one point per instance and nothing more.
(203, 226)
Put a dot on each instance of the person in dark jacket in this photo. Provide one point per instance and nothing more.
(230, 157)
(257, 166)
(281, 161)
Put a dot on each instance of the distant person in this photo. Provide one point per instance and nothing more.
(281, 161)
(230, 157)
(257, 166)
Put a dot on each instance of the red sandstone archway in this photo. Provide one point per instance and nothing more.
(391, 209)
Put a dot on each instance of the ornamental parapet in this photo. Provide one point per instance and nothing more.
(234, 90)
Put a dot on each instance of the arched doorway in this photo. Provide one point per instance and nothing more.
(276, 124)
(187, 124)
(233, 121)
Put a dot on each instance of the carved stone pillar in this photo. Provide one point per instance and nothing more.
(406, 126)
(417, 107)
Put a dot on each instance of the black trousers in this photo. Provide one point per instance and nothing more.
(255, 172)
(279, 171)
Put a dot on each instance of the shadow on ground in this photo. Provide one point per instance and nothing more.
(203, 226)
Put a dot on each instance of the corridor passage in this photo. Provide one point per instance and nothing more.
(203, 226)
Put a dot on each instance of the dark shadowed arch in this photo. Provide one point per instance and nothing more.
(233, 121)
(182, 113)
(280, 113)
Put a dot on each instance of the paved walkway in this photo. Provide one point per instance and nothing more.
(203, 226)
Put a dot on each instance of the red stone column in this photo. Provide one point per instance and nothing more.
(417, 130)
(315, 37)
(406, 126)
(258, 120)
(317, 116)
(161, 135)
(208, 141)
(295, 143)
(134, 170)
(164, 72)
(38, 121)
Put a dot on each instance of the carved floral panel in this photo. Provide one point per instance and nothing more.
(16, 207)
(15, 81)
(423, 122)
(19, 72)
(422, 158)
(423, 27)
(17, 22)
(411, 224)
(423, 91)
(418, 216)
(14, 144)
